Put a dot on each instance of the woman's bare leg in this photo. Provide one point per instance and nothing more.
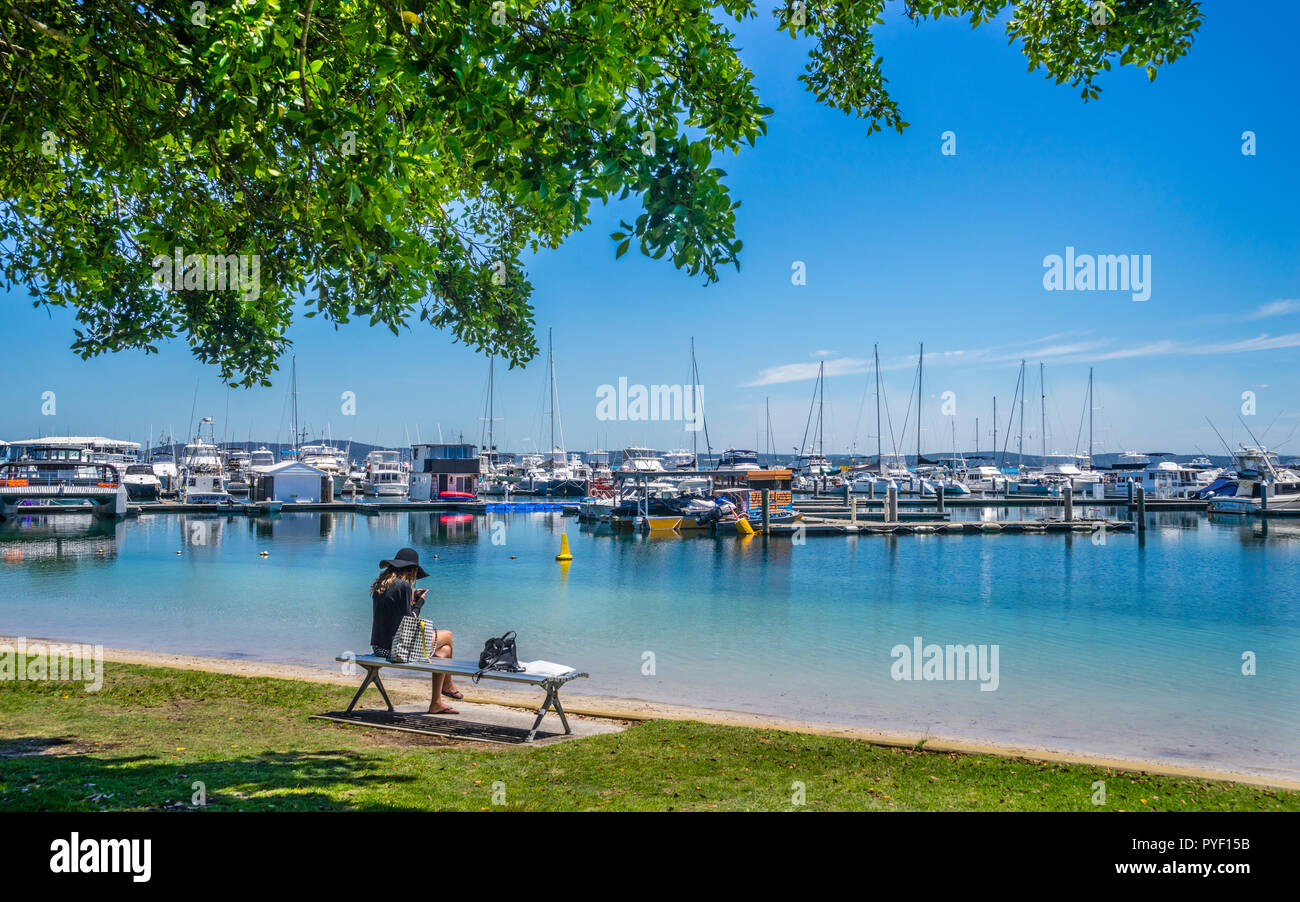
(442, 681)
(445, 650)
(435, 703)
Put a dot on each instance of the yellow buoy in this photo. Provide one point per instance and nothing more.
(743, 527)
(564, 554)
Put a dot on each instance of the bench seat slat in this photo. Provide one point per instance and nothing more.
(462, 667)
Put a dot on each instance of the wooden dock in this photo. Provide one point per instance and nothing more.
(814, 525)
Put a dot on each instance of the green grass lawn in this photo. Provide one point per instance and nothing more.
(143, 741)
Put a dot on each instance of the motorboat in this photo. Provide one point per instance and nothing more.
(385, 474)
(142, 483)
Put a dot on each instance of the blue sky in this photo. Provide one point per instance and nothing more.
(902, 244)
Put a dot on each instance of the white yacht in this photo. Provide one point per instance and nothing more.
(163, 464)
(738, 459)
(1257, 467)
(984, 478)
(641, 460)
(385, 474)
(678, 459)
(203, 478)
(1065, 468)
(142, 483)
(327, 457)
(238, 477)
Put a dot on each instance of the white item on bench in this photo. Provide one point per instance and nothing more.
(546, 668)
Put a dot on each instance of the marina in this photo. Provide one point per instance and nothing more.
(820, 616)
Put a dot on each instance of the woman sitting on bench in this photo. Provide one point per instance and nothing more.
(394, 596)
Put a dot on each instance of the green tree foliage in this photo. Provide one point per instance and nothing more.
(394, 159)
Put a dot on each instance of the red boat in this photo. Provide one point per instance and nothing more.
(455, 496)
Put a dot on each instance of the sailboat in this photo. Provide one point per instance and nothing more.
(559, 473)
(812, 467)
(492, 480)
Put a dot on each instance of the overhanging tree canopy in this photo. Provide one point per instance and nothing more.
(396, 159)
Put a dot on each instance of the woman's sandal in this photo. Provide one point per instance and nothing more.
(453, 693)
(445, 710)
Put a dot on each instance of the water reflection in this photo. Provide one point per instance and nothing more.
(51, 541)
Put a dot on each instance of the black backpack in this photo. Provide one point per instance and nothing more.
(499, 654)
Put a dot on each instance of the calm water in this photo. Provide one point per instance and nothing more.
(1126, 648)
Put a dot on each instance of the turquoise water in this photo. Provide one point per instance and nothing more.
(1132, 647)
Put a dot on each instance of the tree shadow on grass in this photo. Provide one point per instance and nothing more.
(39, 773)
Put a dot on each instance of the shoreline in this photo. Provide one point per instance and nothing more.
(617, 708)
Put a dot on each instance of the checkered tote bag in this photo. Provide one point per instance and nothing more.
(415, 641)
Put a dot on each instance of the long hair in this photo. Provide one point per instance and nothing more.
(385, 579)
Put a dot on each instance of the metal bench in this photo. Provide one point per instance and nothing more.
(463, 668)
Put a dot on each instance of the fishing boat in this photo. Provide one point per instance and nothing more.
(203, 478)
(1261, 484)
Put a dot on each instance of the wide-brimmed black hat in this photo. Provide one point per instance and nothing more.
(404, 560)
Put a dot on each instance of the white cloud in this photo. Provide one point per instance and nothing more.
(800, 372)
(1259, 343)
(1276, 308)
(821, 355)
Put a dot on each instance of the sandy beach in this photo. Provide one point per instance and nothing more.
(406, 689)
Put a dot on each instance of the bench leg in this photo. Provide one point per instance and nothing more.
(372, 676)
(552, 699)
(560, 711)
(541, 712)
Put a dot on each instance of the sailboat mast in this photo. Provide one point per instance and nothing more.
(295, 404)
(550, 353)
(920, 374)
(821, 409)
(768, 404)
(880, 460)
(1042, 407)
(995, 425)
(695, 434)
(492, 407)
(1020, 439)
(1089, 417)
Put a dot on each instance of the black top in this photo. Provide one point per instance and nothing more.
(390, 606)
